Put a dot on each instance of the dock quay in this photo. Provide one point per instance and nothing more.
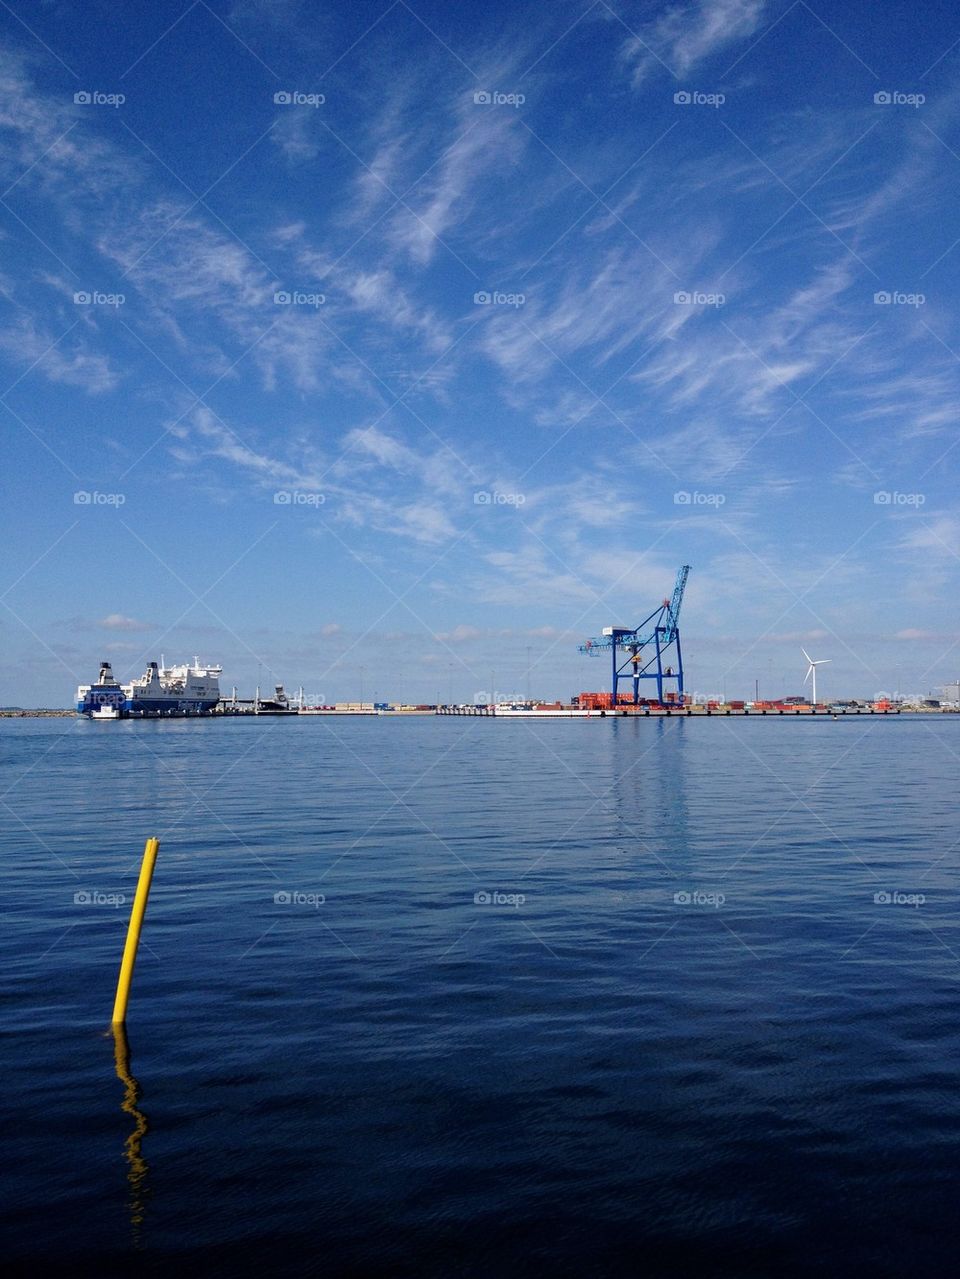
(664, 712)
(466, 710)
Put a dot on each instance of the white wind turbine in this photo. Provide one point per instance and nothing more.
(812, 670)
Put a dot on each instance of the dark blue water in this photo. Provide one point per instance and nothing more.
(699, 1044)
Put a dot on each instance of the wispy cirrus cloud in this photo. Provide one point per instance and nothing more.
(65, 357)
(684, 35)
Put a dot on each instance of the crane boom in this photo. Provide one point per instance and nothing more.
(680, 586)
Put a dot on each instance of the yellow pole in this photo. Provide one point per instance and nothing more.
(133, 931)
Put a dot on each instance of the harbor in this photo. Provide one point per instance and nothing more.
(645, 657)
(192, 691)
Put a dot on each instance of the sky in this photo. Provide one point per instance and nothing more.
(393, 349)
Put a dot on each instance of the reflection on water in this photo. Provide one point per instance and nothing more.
(138, 1168)
(647, 790)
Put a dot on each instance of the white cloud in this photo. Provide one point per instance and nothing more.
(378, 293)
(684, 35)
(460, 634)
(937, 535)
(61, 358)
(118, 622)
(487, 146)
(296, 134)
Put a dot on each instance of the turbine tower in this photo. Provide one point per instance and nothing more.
(812, 670)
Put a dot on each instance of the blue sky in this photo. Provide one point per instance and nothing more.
(669, 283)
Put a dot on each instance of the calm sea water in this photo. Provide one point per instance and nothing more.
(468, 997)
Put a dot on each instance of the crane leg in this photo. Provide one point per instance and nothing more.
(679, 669)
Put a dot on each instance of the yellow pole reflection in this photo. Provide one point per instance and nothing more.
(137, 1169)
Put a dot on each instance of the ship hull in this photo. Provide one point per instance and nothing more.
(169, 706)
(91, 699)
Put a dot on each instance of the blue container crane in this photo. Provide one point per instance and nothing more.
(647, 646)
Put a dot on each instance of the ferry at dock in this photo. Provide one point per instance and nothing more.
(187, 689)
(105, 694)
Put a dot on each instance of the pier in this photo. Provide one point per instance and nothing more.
(466, 710)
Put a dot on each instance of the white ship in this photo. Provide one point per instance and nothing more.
(174, 690)
(189, 689)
